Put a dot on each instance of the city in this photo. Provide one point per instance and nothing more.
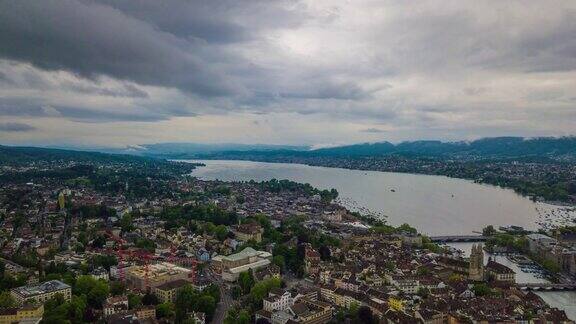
(190, 250)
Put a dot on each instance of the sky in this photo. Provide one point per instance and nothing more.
(113, 73)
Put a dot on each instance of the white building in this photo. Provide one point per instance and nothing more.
(278, 300)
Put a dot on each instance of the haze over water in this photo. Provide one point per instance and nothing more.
(435, 205)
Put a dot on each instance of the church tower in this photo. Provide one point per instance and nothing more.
(476, 270)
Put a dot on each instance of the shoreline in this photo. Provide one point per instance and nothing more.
(554, 203)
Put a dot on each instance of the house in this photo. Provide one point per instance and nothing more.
(278, 299)
(304, 311)
(115, 304)
(311, 260)
(203, 255)
(100, 273)
(499, 272)
(248, 232)
(42, 292)
(28, 313)
(167, 292)
(428, 316)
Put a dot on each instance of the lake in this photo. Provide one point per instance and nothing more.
(435, 205)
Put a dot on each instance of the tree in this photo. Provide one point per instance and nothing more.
(117, 288)
(149, 299)
(262, 288)
(236, 292)
(243, 317)
(134, 301)
(77, 308)
(164, 310)
(56, 310)
(405, 228)
(207, 305)
(98, 294)
(482, 289)
(353, 309)
(126, 223)
(95, 290)
(185, 302)
(6, 300)
(422, 271)
(488, 230)
(221, 232)
(279, 261)
(365, 315)
(324, 253)
(246, 281)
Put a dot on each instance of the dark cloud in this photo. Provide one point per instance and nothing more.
(372, 130)
(215, 21)
(15, 127)
(93, 39)
(127, 90)
(26, 107)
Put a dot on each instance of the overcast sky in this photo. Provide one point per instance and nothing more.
(318, 72)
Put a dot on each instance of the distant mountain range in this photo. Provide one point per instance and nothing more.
(191, 150)
(496, 147)
(19, 154)
(487, 148)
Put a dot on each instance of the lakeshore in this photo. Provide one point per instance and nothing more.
(435, 205)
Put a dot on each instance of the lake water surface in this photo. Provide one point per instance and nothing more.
(435, 205)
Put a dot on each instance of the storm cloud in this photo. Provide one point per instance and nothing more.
(369, 69)
(15, 127)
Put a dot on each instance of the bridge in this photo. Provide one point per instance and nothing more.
(546, 286)
(458, 238)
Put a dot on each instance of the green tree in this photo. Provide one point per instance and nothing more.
(279, 261)
(117, 288)
(221, 232)
(488, 230)
(481, 289)
(243, 317)
(246, 281)
(6, 300)
(126, 223)
(95, 290)
(261, 290)
(134, 301)
(164, 310)
(207, 305)
(77, 308)
(56, 311)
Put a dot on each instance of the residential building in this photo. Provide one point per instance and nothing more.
(232, 265)
(26, 313)
(499, 272)
(248, 232)
(155, 275)
(168, 291)
(42, 292)
(115, 304)
(278, 299)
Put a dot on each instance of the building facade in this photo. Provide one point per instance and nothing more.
(42, 292)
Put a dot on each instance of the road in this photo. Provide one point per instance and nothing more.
(224, 305)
